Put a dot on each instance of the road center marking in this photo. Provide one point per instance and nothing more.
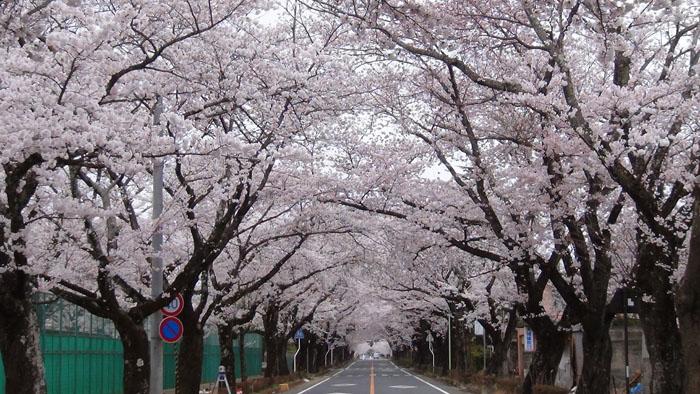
(371, 378)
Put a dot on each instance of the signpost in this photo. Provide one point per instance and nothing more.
(430, 340)
(170, 329)
(299, 335)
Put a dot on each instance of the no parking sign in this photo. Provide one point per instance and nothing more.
(171, 329)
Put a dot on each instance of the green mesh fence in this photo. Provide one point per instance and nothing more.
(83, 354)
(253, 358)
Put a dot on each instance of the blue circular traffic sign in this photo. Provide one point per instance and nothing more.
(171, 329)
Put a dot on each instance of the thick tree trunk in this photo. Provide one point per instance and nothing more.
(463, 349)
(19, 337)
(441, 355)
(688, 301)
(270, 320)
(550, 347)
(498, 363)
(658, 317)
(241, 357)
(282, 367)
(271, 356)
(597, 355)
(314, 358)
(190, 355)
(137, 363)
(228, 357)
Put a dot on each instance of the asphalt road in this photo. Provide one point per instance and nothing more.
(375, 377)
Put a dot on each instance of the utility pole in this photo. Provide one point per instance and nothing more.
(483, 336)
(627, 361)
(156, 345)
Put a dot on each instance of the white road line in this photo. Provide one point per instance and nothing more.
(327, 379)
(317, 384)
(429, 384)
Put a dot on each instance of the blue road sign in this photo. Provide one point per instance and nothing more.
(529, 340)
(171, 329)
(299, 334)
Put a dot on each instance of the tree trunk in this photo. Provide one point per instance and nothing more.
(658, 317)
(597, 355)
(228, 357)
(190, 355)
(270, 320)
(463, 349)
(241, 357)
(137, 363)
(498, 363)
(545, 362)
(688, 301)
(271, 356)
(314, 358)
(19, 338)
(282, 367)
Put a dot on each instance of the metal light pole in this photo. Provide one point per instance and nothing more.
(627, 361)
(483, 336)
(156, 345)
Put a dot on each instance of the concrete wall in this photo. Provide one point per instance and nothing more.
(638, 357)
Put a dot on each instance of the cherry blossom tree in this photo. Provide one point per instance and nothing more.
(70, 97)
(241, 286)
(688, 310)
(594, 74)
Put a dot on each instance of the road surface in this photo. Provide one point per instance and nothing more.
(375, 377)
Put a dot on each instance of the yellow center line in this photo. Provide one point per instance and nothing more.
(371, 378)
